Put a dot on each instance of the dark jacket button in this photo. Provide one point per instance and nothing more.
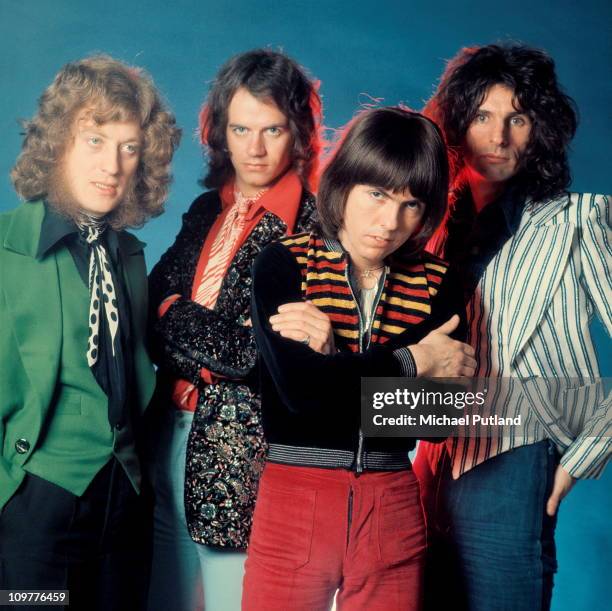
(22, 446)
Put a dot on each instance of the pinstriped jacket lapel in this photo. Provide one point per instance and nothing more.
(537, 259)
(530, 318)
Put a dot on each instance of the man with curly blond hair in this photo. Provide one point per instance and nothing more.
(75, 376)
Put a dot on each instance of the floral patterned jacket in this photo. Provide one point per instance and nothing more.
(226, 449)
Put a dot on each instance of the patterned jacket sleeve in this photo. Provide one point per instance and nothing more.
(197, 338)
(189, 337)
(589, 453)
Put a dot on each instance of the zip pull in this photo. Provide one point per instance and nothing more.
(359, 457)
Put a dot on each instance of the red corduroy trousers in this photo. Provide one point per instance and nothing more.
(317, 531)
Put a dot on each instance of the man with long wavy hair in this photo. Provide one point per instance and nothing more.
(260, 125)
(536, 264)
(75, 376)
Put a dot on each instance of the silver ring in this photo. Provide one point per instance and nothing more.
(305, 341)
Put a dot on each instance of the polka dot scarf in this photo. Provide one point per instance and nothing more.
(102, 295)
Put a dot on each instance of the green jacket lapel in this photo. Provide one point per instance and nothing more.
(28, 283)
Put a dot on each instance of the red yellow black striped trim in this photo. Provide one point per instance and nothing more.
(405, 299)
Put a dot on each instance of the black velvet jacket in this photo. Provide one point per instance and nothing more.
(226, 449)
(312, 401)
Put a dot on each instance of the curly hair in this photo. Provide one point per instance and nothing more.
(271, 75)
(543, 168)
(394, 149)
(113, 91)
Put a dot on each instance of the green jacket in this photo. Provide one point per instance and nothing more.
(31, 336)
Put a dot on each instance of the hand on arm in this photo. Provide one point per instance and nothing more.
(302, 320)
(438, 355)
(306, 380)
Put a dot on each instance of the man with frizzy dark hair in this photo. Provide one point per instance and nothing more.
(535, 260)
(259, 125)
(75, 376)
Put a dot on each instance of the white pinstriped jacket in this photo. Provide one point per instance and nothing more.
(529, 319)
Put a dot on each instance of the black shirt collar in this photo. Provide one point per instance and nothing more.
(54, 229)
(510, 203)
(474, 239)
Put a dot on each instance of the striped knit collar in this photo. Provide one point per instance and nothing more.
(334, 245)
(405, 298)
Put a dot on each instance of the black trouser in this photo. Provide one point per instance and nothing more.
(96, 545)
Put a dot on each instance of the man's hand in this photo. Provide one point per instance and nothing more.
(439, 356)
(562, 484)
(302, 320)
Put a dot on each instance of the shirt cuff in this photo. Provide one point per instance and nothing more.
(407, 362)
(165, 305)
(586, 459)
(208, 376)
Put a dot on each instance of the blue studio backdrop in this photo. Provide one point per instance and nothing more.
(388, 50)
